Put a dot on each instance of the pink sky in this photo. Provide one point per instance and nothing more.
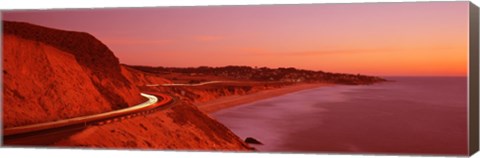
(429, 38)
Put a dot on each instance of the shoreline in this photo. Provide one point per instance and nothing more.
(235, 100)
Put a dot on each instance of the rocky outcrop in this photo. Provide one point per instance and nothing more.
(251, 140)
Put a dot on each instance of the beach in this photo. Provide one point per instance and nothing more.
(422, 115)
(231, 101)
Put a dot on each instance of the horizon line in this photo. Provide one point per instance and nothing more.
(256, 67)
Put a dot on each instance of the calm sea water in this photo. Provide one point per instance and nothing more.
(422, 115)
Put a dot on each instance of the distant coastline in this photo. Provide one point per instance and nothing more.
(236, 100)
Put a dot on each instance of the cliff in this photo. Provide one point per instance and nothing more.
(95, 58)
(51, 74)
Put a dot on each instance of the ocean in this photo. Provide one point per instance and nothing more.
(409, 115)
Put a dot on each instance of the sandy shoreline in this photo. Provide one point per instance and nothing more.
(231, 101)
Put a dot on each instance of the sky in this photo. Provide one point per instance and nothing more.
(386, 39)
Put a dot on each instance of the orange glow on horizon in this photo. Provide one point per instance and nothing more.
(387, 39)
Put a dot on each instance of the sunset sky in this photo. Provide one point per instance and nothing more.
(426, 39)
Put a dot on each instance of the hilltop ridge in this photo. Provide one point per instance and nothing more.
(247, 73)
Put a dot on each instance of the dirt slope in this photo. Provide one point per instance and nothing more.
(95, 58)
(52, 74)
(42, 83)
(183, 127)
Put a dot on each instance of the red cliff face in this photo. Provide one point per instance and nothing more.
(52, 74)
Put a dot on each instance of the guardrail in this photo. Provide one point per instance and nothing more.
(150, 104)
(189, 84)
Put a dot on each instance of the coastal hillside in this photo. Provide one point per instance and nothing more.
(239, 80)
(153, 81)
(264, 74)
(51, 74)
(181, 127)
(95, 58)
(42, 83)
(140, 78)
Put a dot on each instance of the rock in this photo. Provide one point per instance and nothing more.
(251, 140)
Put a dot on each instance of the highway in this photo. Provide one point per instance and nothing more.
(193, 84)
(49, 132)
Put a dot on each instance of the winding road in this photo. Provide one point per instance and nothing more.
(189, 84)
(49, 132)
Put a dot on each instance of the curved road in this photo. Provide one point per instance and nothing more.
(23, 135)
(186, 84)
(49, 132)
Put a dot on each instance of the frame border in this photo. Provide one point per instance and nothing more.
(473, 79)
